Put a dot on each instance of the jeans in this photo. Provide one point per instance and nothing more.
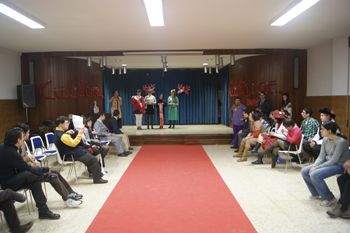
(236, 129)
(315, 182)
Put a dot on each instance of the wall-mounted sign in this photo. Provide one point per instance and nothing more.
(72, 91)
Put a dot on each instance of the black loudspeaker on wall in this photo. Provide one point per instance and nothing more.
(26, 96)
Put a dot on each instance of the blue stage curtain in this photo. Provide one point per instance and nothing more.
(199, 107)
(225, 112)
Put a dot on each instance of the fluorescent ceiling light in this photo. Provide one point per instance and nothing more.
(154, 10)
(293, 11)
(21, 16)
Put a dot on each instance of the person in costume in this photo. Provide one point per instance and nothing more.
(150, 101)
(139, 108)
(173, 102)
(116, 103)
(266, 140)
(161, 104)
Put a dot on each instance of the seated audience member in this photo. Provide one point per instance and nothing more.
(308, 128)
(256, 128)
(65, 144)
(6, 205)
(102, 131)
(334, 153)
(61, 186)
(342, 209)
(16, 174)
(293, 137)
(264, 122)
(94, 143)
(244, 131)
(71, 124)
(313, 148)
(114, 129)
(265, 141)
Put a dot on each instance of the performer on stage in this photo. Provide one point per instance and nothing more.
(173, 102)
(116, 102)
(139, 107)
(150, 101)
(161, 104)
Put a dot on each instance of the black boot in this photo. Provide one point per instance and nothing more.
(173, 124)
(259, 161)
(169, 124)
(255, 149)
(147, 121)
(274, 161)
(152, 122)
(267, 151)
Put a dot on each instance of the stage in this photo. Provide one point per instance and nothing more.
(180, 135)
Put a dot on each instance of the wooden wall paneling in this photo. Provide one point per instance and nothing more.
(10, 115)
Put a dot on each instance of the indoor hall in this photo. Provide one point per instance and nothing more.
(209, 53)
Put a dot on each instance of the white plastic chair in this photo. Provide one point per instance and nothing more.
(72, 163)
(286, 154)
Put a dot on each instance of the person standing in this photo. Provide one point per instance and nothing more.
(286, 105)
(173, 102)
(161, 104)
(263, 106)
(237, 118)
(139, 108)
(150, 101)
(116, 103)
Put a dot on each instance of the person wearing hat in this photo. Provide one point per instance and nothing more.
(150, 101)
(139, 107)
(293, 137)
(314, 147)
(266, 140)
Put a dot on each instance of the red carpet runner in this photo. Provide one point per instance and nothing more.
(171, 189)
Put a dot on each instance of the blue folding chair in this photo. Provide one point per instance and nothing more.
(39, 148)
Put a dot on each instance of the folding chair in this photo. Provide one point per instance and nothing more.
(62, 162)
(50, 145)
(39, 148)
(285, 154)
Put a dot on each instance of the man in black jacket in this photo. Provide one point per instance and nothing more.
(263, 106)
(16, 174)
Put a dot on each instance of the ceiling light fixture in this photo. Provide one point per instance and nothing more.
(113, 70)
(232, 60)
(293, 10)
(205, 67)
(20, 15)
(89, 61)
(221, 61)
(217, 68)
(217, 59)
(120, 70)
(209, 69)
(124, 68)
(154, 10)
(104, 61)
(101, 64)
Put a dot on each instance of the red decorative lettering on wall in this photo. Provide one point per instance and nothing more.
(71, 92)
(242, 89)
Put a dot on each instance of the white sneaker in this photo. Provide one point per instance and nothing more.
(315, 197)
(73, 202)
(326, 203)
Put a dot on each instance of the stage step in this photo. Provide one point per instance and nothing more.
(188, 139)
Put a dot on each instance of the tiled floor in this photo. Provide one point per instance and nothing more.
(272, 200)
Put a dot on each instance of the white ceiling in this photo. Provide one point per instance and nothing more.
(119, 25)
